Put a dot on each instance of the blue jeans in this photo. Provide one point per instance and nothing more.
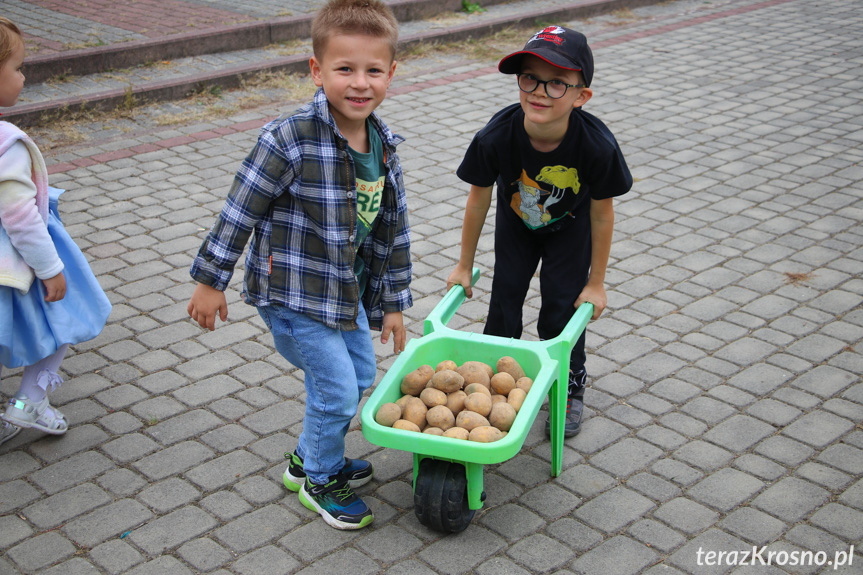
(339, 366)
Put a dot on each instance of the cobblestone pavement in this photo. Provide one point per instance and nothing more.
(725, 402)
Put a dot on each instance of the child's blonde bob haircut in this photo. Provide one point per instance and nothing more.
(10, 38)
(364, 17)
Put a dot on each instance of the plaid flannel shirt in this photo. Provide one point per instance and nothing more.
(295, 196)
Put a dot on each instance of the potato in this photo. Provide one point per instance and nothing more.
(406, 425)
(502, 415)
(516, 398)
(432, 397)
(509, 365)
(433, 431)
(524, 383)
(455, 401)
(447, 381)
(486, 367)
(457, 433)
(478, 403)
(477, 388)
(415, 412)
(403, 400)
(440, 416)
(502, 383)
(485, 434)
(497, 398)
(388, 413)
(446, 364)
(474, 372)
(414, 382)
(470, 419)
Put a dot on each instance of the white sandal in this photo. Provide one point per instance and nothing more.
(25, 413)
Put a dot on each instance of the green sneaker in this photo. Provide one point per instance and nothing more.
(336, 502)
(358, 472)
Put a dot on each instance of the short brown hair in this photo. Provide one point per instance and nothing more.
(10, 35)
(365, 17)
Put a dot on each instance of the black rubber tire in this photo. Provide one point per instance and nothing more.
(440, 496)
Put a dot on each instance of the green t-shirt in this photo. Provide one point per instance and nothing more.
(371, 174)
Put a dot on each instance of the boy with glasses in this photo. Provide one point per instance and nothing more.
(557, 170)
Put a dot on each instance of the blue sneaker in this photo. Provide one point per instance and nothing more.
(336, 502)
(358, 472)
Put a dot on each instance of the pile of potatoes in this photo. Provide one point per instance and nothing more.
(472, 401)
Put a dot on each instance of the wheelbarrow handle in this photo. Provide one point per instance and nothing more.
(446, 308)
(573, 329)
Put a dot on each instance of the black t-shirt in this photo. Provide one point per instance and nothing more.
(543, 188)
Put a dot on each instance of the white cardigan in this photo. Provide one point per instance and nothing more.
(26, 248)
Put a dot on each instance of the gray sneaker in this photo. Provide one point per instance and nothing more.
(8, 431)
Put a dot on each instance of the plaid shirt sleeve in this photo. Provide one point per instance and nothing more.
(261, 177)
(397, 293)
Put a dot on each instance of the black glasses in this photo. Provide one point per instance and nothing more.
(553, 88)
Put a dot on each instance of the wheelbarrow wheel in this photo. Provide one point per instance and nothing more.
(440, 496)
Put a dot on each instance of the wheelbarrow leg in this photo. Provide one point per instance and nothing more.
(557, 417)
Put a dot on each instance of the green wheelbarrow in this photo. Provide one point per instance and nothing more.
(447, 472)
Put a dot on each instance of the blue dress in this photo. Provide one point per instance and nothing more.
(31, 328)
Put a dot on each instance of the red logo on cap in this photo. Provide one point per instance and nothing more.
(550, 34)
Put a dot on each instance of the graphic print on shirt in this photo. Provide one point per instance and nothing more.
(369, 200)
(536, 196)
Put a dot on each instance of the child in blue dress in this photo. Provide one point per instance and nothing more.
(49, 297)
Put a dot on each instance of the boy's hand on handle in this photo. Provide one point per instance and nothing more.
(204, 304)
(394, 325)
(593, 295)
(463, 277)
(55, 287)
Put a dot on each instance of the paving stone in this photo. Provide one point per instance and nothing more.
(256, 528)
(818, 428)
(844, 457)
(173, 460)
(389, 544)
(41, 551)
(341, 561)
(540, 553)
(12, 530)
(497, 565)
(513, 522)
(626, 457)
(703, 455)
(462, 553)
(774, 412)
(274, 418)
(75, 566)
(739, 433)
(617, 556)
(550, 501)
(753, 525)
(269, 560)
(75, 440)
(791, 499)
(121, 482)
(208, 390)
(61, 507)
(689, 560)
(661, 437)
(168, 495)
(614, 509)
(204, 554)
(784, 450)
(840, 520)
(71, 471)
(656, 535)
(183, 426)
(759, 466)
(725, 489)
(685, 515)
(165, 565)
(585, 480)
(130, 447)
(823, 475)
(225, 470)
(115, 556)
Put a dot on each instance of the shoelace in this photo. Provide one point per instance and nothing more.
(343, 492)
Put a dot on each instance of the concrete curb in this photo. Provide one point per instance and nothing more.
(43, 112)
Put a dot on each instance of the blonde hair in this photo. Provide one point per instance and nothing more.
(365, 17)
(10, 36)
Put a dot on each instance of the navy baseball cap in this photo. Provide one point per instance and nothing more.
(559, 47)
